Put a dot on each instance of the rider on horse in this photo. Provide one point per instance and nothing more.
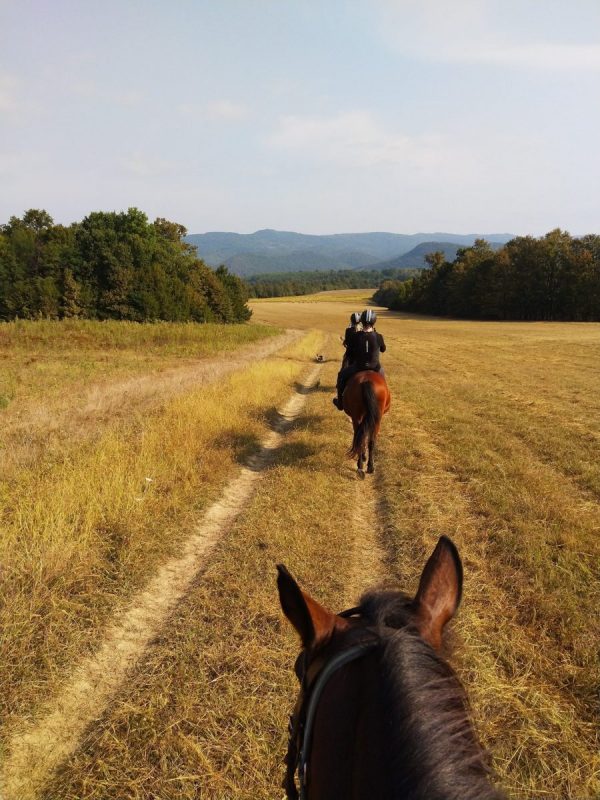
(362, 353)
(350, 331)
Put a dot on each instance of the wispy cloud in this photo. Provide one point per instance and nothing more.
(226, 110)
(216, 111)
(472, 31)
(354, 138)
(537, 55)
(90, 90)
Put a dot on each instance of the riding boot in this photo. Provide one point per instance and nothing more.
(338, 402)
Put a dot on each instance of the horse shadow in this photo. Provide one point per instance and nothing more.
(282, 424)
(286, 454)
(314, 389)
(250, 451)
(245, 446)
(290, 453)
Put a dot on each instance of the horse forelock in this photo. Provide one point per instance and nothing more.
(386, 608)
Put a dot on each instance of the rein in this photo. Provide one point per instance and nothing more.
(302, 720)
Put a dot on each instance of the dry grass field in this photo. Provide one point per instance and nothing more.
(493, 438)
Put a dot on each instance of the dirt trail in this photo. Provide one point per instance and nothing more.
(368, 556)
(35, 753)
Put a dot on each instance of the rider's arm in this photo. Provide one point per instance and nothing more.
(381, 343)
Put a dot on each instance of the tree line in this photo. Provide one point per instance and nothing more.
(554, 277)
(111, 266)
(286, 284)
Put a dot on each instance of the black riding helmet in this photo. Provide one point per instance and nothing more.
(355, 317)
(368, 317)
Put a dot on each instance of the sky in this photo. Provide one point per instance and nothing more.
(320, 117)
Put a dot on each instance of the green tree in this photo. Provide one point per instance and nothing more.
(71, 301)
(237, 292)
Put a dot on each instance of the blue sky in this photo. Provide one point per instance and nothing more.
(320, 117)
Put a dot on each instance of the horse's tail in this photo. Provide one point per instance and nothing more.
(366, 430)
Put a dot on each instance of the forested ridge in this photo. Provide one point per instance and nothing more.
(553, 277)
(286, 284)
(111, 265)
(270, 251)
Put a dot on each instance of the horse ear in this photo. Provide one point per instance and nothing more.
(312, 621)
(440, 591)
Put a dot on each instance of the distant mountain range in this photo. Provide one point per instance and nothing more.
(270, 251)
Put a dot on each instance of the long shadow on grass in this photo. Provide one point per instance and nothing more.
(314, 389)
(289, 454)
(312, 422)
(286, 454)
(277, 422)
(248, 448)
(245, 446)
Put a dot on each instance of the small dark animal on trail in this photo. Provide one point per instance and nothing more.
(366, 399)
(319, 358)
(380, 714)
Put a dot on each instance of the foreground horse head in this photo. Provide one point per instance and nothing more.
(380, 714)
(366, 399)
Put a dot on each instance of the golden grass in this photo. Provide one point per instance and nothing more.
(517, 490)
(80, 532)
(63, 388)
(175, 338)
(44, 358)
(357, 296)
(493, 438)
(206, 714)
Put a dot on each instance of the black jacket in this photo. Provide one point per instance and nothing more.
(364, 348)
(350, 332)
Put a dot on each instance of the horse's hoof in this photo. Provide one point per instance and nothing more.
(361, 474)
(370, 469)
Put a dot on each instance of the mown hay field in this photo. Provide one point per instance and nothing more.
(493, 439)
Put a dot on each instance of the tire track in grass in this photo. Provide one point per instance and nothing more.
(367, 564)
(36, 752)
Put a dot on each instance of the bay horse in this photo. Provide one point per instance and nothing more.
(380, 714)
(366, 399)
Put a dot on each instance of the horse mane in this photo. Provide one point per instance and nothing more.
(434, 748)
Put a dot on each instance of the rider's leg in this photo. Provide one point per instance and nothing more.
(337, 401)
(343, 377)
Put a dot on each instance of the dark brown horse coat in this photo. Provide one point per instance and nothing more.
(393, 723)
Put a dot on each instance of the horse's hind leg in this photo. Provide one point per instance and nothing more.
(360, 464)
(371, 462)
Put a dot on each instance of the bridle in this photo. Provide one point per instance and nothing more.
(302, 719)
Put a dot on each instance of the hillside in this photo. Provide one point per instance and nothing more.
(415, 258)
(268, 251)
